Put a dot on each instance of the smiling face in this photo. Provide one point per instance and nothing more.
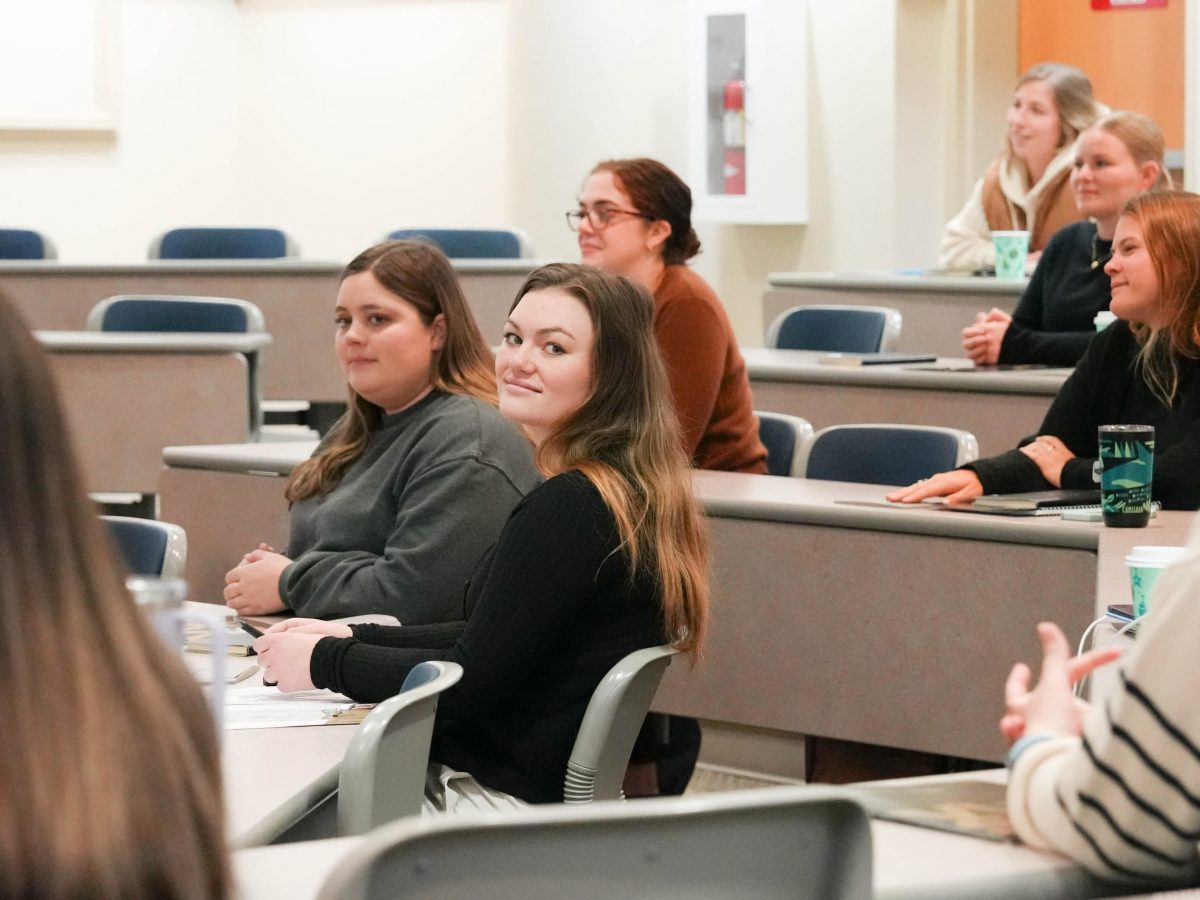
(628, 242)
(544, 367)
(1034, 126)
(1135, 288)
(384, 346)
(1106, 176)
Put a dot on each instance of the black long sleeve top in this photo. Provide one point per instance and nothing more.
(1052, 323)
(549, 610)
(1106, 389)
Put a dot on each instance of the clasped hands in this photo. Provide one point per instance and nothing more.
(285, 651)
(252, 586)
(981, 341)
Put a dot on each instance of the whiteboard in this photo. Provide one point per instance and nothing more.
(58, 65)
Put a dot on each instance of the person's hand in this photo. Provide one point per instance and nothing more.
(285, 659)
(1052, 707)
(960, 486)
(981, 341)
(1031, 260)
(311, 626)
(1051, 455)
(252, 587)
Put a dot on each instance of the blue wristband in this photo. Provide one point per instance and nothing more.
(1024, 743)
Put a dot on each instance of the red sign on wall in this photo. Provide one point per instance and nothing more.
(1127, 4)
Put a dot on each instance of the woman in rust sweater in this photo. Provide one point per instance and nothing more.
(634, 219)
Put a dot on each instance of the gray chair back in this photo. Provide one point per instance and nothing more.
(836, 329)
(885, 454)
(25, 243)
(149, 547)
(147, 312)
(383, 773)
(223, 243)
(784, 437)
(802, 843)
(614, 716)
(471, 243)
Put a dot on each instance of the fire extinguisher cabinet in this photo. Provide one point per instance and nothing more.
(748, 155)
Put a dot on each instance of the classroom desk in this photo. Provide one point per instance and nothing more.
(296, 297)
(935, 308)
(127, 396)
(999, 408)
(909, 863)
(832, 614)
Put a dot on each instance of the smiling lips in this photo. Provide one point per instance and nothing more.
(521, 385)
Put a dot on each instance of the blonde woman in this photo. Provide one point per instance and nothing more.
(1026, 187)
(110, 783)
(606, 557)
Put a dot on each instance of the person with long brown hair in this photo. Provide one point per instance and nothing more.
(607, 556)
(415, 481)
(1144, 369)
(110, 776)
(1026, 187)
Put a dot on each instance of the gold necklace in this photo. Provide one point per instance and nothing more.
(1098, 261)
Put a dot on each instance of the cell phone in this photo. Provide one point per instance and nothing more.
(1122, 612)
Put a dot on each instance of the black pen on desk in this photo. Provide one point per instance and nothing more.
(249, 629)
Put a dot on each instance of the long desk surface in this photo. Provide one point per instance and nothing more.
(834, 613)
(296, 297)
(935, 308)
(910, 863)
(126, 397)
(999, 408)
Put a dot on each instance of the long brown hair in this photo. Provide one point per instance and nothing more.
(625, 439)
(419, 274)
(110, 780)
(659, 193)
(1170, 223)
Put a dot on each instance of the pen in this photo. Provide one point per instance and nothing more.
(249, 629)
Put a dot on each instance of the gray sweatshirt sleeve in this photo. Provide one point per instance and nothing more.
(447, 517)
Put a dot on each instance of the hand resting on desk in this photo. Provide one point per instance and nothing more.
(957, 486)
(981, 341)
(1051, 708)
(252, 587)
(285, 651)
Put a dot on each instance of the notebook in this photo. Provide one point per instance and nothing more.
(874, 359)
(1037, 503)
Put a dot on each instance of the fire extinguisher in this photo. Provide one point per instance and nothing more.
(734, 123)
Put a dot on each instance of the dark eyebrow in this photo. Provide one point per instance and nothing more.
(509, 323)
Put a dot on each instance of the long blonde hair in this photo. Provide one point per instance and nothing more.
(1142, 138)
(110, 780)
(1072, 92)
(625, 439)
(419, 274)
(1170, 223)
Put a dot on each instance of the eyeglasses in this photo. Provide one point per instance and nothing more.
(599, 217)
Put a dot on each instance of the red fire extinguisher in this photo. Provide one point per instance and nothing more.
(734, 123)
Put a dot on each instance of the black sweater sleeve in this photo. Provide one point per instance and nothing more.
(542, 571)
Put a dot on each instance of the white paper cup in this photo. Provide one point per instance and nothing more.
(1011, 249)
(1145, 565)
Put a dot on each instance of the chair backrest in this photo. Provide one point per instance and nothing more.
(836, 329)
(471, 243)
(138, 312)
(149, 547)
(383, 773)
(614, 716)
(223, 243)
(24, 243)
(784, 437)
(798, 842)
(885, 454)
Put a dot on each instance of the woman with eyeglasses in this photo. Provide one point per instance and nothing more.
(635, 219)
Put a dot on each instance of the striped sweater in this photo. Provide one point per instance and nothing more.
(1123, 800)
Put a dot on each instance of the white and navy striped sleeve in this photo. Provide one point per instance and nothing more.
(1124, 800)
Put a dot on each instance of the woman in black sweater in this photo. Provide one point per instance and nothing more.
(607, 556)
(1115, 159)
(1142, 370)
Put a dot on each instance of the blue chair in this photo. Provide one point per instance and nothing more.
(383, 772)
(796, 842)
(885, 454)
(784, 437)
(147, 546)
(22, 243)
(836, 329)
(137, 312)
(223, 243)
(471, 243)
